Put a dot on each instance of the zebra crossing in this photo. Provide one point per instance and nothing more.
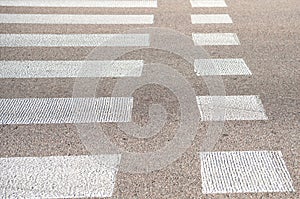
(71, 40)
(217, 39)
(58, 176)
(70, 69)
(75, 19)
(208, 3)
(225, 108)
(67, 176)
(233, 172)
(95, 176)
(222, 67)
(244, 171)
(79, 3)
(211, 19)
(65, 110)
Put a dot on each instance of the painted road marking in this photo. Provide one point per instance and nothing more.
(62, 69)
(207, 39)
(241, 172)
(75, 19)
(210, 18)
(80, 3)
(222, 108)
(207, 67)
(72, 40)
(208, 3)
(58, 176)
(65, 110)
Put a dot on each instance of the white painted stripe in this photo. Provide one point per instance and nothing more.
(58, 176)
(207, 67)
(56, 40)
(241, 172)
(221, 108)
(204, 39)
(80, 3)
(65, 110)
(60, 69)
(75, 19)
(211, 18)
(208, 3)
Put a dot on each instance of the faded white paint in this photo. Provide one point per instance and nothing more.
(73, 40)
(208, 3)
(75, 19)
(60, 69)
(210, 18)
(222, 108)
(80, 3)
(208, 39)
(58, 176)
(244, 171)
(65, 110)
(209, 67)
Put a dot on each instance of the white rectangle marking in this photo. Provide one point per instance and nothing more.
(210, 18)
(80, 3)
(70, 69)
(208, 3)
(207, 39)
(65, 110)
(73, 40)
(75, 19)
(241, 172)
(208, 67)
(58, 176)
(222, 108)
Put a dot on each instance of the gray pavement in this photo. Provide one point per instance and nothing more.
(268, 32)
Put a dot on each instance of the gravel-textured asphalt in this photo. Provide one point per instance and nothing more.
(270, 45)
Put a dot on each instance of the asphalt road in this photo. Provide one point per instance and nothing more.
(269, 43)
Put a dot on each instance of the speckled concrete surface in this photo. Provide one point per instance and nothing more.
(270, 45)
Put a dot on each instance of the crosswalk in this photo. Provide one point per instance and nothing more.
(211, 19)
(207, 39)
(208, 3)
(225, 108)
(73, 40)
(58, 176)
(238, 171)
(70, 69)
(79, 3)
(67, 176)
(86, 176)
(222, 67)
(244, 171)
(65, 110)
(75, 19)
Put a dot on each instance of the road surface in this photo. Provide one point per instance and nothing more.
(149, 99)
